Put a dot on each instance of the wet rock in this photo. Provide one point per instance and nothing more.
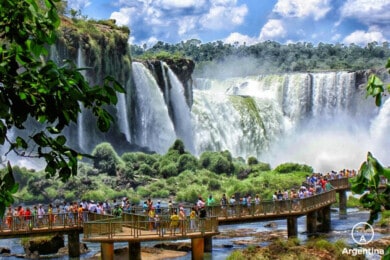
(271, 225)
(44, 246)
(5, 250)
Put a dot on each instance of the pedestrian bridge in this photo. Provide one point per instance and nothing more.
(136, 228)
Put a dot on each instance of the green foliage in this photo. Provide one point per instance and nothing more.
(145, 169)
(218, 162)
(236, 255)
(252, 160)
(169, 170)
(376, 88)
(8, 187)
(187, 162)
(261, 167)
(270, 56)
(178, 146)
(293, 167)
(41, 91)
(105, 159)
(369, 179)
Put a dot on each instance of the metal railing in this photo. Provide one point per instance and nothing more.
(138, 226)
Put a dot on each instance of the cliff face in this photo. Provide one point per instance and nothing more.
(183, 68)
(102, 48)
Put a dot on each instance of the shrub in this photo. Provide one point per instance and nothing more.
(252, 160)
(105, 159)
(293, 167)
(216, 162)
(169, 170)
(261, 167)
(178, 146)
(146, 170)
(187, 162)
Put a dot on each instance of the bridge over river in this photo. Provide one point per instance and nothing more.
(136, 227)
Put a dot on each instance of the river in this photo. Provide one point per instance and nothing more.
(222, 248)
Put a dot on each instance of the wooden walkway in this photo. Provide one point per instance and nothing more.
(266, 210)
(136, 227)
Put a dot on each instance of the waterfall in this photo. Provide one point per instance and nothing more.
(320, 119)
(122, 114)
(180, 110)
(154, 128)
(82, 142)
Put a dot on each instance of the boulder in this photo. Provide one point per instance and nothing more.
(43, 245)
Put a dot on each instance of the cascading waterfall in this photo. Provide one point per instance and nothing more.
(315, 118)
(154, 128)
(122, 114)
(80, 118)
(181, 111)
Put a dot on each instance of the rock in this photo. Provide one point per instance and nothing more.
(271, 225)
(5, 250)
(44, 246)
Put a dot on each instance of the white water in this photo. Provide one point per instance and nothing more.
(154, 128)
(122, 113)
(181, 112)
(80, 117)
(319, 119)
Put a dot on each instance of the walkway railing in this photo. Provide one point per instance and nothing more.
(138, 226)
(47, 221)
(275, 208)
(138, 221)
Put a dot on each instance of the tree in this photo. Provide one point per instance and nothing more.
(34, 88)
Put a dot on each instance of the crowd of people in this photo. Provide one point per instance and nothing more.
(74, 213)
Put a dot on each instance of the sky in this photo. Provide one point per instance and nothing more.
(246, 21)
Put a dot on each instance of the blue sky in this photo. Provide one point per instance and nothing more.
(249, 21)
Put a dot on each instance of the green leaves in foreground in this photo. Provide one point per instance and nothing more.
(8, 187)
(376, 88)
(376, 194)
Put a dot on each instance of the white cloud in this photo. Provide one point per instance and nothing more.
(178, 19)
(240, 38)
(123, 16)
(367, 11)
(223, 17)
(78, 4)
(272, 29)
(303, 8)
(362, 37)
(173, 4)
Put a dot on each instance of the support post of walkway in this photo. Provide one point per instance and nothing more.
(342, 202)
(325, 219)
(134, 251)
(208, 244)
(292, 227)
(107, 250)
(311, 223)
(197, 245)
(74, 244)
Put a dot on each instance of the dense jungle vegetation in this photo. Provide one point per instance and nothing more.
(176, 175)
(268, 56)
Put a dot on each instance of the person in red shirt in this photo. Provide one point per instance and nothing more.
(27, 218)
(20, 213)
(322, 183)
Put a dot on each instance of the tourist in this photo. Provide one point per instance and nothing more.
(41, 214)
(50, 215)
(182, 218)
(152, 215)
(223, 203)
(193, 219)
(210, 204)
(174, 222)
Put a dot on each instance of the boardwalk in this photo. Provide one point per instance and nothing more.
(136, 228)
